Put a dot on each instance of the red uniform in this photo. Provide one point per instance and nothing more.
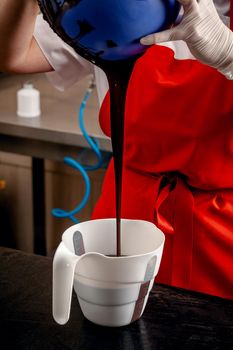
(178, 167)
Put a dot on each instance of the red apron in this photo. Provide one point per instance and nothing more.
(178, 167)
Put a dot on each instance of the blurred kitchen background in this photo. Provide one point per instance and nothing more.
(64, 187)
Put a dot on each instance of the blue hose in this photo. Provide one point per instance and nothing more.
(60, 213)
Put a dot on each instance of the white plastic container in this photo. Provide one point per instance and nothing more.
(28, 101)
(112, 291)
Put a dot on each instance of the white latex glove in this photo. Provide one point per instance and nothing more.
(207, 37)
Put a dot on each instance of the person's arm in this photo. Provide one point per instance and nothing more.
(207, 37)
(19, 51)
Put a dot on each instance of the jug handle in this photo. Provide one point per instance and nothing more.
(64, 264)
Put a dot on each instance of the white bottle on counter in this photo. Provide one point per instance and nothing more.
(28, 101)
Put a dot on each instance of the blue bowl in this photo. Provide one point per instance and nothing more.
(108, 30)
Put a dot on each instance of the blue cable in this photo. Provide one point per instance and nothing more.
(60, 213)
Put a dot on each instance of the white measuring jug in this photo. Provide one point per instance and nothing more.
(112, 291)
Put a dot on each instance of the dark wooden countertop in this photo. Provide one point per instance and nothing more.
(173, 318)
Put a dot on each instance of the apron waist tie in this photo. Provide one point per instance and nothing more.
(174, 212)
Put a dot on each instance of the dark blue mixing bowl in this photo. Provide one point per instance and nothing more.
(108, 30)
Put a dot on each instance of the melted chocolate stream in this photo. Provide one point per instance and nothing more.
(118, 74)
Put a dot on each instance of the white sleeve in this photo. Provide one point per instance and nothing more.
(68, 66)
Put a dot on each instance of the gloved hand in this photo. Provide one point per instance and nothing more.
(207, 37)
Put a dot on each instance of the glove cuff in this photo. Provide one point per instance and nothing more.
(227, 71)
